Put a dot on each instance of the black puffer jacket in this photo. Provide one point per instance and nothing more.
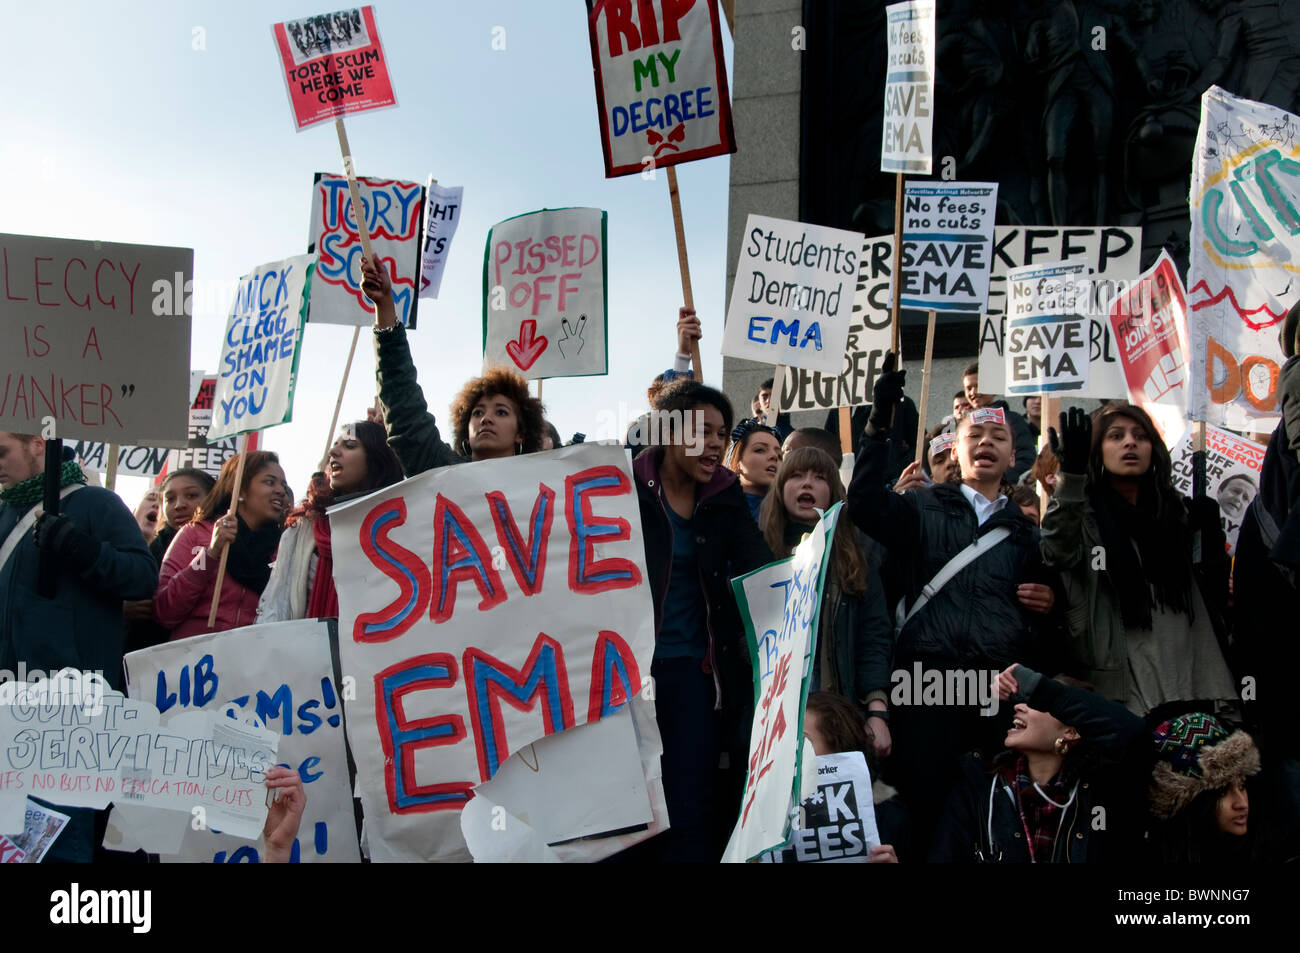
(728, 544)
(1104, 822)
(975, 621)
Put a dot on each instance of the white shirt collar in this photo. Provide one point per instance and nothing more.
(984, 507)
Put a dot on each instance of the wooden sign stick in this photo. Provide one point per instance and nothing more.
(110, 474)
(234, 511)
(895, 273)
(925, 388)
(687, 298)
(358, 212)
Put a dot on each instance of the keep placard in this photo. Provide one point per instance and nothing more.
(1047, 340)
(333, 65)
(392, 210)
(282, 674)
(793, 295)
(544, 293)
(97, 340)
(908, 140)
(947, 239)
(442, 210)
(780, 606)
(1244, 259)
(260, 349)
(661, 83)
(483, 607)
(1114, 257)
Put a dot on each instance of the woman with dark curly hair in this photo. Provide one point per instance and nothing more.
(492, 416)
(302, 580)
(1142, 619)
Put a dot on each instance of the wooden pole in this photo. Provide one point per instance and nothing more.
(359, 213)
(896, 273)
(539, 388)
(225, 552)
(687, 298)
(925, 388)
(846, 430)
(110, 474)
(1051, 408)
(338, 404)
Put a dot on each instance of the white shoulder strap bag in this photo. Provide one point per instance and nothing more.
(26, 523)
(950, 569)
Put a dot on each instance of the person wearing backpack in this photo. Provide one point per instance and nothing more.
(971, 595)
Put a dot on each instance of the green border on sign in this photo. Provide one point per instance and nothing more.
(737, 587)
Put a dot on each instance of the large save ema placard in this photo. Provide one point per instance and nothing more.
(661, 82)
(483, 607)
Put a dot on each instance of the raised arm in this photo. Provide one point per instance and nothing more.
(1062, 530)
(412, 432)
(888, 518)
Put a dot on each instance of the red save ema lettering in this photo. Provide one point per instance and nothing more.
(461, 555)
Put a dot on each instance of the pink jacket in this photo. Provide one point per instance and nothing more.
(185, 586)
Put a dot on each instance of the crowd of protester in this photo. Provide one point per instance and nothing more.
(1135, 668)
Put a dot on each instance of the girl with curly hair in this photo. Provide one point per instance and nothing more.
(492, 416)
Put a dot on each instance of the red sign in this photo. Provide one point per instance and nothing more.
(1149, 321)
(333, 65)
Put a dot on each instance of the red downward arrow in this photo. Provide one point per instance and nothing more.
(528, 348)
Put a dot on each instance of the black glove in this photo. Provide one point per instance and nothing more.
(74, 549)
(885, 396)
(1074, 449)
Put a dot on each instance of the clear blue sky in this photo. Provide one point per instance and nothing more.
(168, 124)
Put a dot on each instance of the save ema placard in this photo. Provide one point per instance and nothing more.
(907, 143)
(661, 82)
(1047, 339)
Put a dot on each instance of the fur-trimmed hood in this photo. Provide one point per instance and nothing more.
(1220, 765)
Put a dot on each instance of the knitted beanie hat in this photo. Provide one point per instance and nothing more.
(1195, 754)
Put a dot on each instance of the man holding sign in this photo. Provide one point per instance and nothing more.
(100, 559)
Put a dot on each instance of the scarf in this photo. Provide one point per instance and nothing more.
(1039, 818)
(1148, 561)
(323, 600)
(251, 553)
(32, 490)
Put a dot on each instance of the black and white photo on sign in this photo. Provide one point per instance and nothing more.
(327, 33)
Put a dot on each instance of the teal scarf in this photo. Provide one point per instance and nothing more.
(32, 490)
